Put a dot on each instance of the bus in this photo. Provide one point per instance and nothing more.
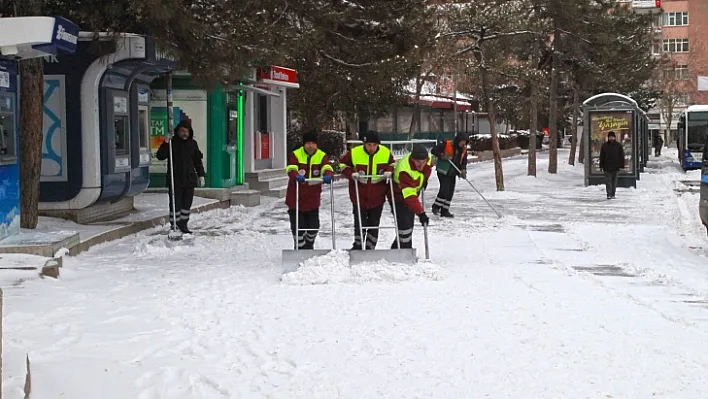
(691, 138)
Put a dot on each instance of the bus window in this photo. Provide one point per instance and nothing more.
(697, 130)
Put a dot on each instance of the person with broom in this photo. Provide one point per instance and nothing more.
(188, 173)
(449, 153)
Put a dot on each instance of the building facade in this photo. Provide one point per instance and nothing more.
(681, 35)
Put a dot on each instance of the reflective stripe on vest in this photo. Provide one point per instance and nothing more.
(361, 157)
(404, 165)
(315, 159)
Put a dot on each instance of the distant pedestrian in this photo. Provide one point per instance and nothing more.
(611, 161)
(449, 152)
(658, 145)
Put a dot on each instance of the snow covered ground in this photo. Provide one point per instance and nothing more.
(568, 296)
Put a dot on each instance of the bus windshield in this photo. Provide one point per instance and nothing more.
(697, 129)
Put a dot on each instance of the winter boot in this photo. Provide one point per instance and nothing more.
(446, 213)
(436, 210)
(356, 247)
(182, 225)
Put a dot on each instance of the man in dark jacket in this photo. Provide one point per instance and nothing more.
(611, 161)
(188, 174)
(658, 145)
(454, 151)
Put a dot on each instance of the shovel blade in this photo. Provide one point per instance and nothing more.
(404, 255)
(293, 258)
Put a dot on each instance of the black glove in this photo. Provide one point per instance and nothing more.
(424, 220)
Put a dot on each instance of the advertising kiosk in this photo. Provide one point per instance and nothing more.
(613, 112)
(48, 36)
(96, 126)
(240, 128)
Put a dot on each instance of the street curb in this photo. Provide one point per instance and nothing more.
(74, 245)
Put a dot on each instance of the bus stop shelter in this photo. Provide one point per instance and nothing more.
(619, 113)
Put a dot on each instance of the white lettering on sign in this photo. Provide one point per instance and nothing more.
(5, 80)
(62, 34)
(277, 75)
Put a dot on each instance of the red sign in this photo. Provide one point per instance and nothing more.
(278, 76)
(265, 146)
(658, 3)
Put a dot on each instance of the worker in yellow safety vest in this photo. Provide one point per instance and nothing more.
(410, 177)
(368, 159)
(307, 162)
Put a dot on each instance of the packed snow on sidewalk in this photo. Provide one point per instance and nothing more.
(569, 295)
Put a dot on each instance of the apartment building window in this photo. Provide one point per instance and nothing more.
(683, 100)
(656, 48)
(675, 45)
(679, 72)
(676, 19)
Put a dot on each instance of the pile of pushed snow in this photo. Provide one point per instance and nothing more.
(334, 268)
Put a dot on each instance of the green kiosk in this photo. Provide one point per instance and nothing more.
(237, 128)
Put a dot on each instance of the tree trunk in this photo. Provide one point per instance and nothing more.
(415, 120)
(31, 137)
(498, 170)
(574, 128)
(533, 128)
(553, 112)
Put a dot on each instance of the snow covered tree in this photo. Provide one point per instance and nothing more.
(485, 28)
(215, 40)
(354, 57)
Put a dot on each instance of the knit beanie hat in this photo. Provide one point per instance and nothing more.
(309, 137)
(419, 152)
(372, 137)
(611, 134)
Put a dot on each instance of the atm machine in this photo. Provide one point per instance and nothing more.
(9, 169)
(112, 90)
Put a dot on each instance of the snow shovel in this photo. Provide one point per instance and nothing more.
(475, 189)
(399, 255)
(293, 258)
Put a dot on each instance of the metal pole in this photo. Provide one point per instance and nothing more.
(331, 205)
(425, 228)
(475, 189)
(395, 215)
(170, 130)
(361, 222)
(297, 215)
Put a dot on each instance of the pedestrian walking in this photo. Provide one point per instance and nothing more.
(611, 162)
(658, 145)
